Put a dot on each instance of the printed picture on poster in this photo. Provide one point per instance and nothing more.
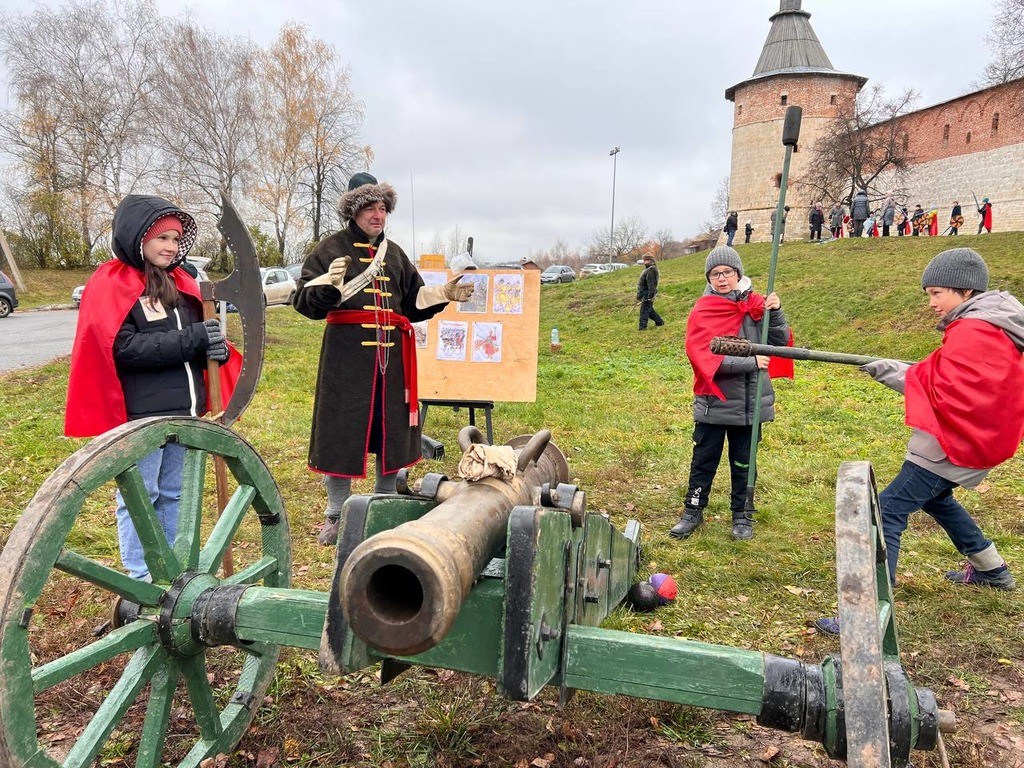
(433, 277)
(508, 295)
(421, 334)
(477, 303)
(486, 342)
(451, 340)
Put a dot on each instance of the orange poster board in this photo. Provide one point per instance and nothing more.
(486, 348)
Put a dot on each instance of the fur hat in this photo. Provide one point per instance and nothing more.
(961, 268)
(363, 190)
(723, 256)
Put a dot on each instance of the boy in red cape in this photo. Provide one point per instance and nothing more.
(141, 348)
(965, 403)
(725, 386)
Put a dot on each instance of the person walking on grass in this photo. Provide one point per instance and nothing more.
(646, 290)
(731, 225)
(748, 230)
(816, 220)
(140, 350)
(985, 212)
(725, 386)
(965, 405)
(368, 292)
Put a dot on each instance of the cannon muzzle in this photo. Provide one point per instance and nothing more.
(402, 589)
(740, 347)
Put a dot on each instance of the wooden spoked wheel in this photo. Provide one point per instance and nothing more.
(148, 675)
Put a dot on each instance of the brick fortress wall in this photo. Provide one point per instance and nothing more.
(757, 151)
(974, 143)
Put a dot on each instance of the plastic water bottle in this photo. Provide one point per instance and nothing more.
(556, 345)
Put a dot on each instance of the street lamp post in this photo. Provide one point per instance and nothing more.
(611, 231)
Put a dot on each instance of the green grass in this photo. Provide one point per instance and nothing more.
(619, 405)
(48, 287)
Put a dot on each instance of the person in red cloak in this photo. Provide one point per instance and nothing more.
(141, 349)
(965, 404)
(725, 386)
(985, 211)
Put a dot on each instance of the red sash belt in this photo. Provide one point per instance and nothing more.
(401, 322)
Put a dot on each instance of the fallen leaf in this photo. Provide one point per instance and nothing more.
(656, 626)
(770, 754)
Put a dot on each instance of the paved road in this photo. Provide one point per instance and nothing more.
(28, 339)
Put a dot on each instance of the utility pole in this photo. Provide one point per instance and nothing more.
(611, 231)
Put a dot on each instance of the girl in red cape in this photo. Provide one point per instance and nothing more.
(140, 350)
(725, 386)
(965, 403)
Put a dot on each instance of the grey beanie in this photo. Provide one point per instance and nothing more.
(961, 268)
(723, 256)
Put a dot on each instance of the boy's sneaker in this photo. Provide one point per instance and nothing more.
(829, 626)
(998, 578)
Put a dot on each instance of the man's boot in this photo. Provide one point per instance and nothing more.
(328, 535)
(687, 523)
(743, 525)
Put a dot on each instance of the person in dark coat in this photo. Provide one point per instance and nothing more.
(888, 213)
(725, 386)
(917, 221)
(748, 230)
(731, 225)
(956, 218)
(817, 220)
(141, 350)
(646, 290)
(860, 210)
(369, 293)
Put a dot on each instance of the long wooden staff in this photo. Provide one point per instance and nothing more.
(790, 134)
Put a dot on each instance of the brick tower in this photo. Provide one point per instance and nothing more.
(793, 70)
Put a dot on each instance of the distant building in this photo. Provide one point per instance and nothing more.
(974, 143)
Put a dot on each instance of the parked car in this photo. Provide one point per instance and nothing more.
(557, 273)
(613, 266)
(295, 270)
(591, 269)
(8, 296)
(278, 285)
(76, 294)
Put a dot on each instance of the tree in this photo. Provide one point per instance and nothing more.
(630, 234)
(662, 240)
(865, 141)
(1006, 42)
(719, 208)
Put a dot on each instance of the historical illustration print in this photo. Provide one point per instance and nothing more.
(477, 303)
(451, 340)
(421, 334)
(508, 295)
(486, 342)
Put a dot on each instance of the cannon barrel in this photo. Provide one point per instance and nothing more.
(402, 589)
(739, 347)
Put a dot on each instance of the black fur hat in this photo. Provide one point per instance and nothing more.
(363, 190)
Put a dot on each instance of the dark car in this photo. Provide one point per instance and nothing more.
(8, 297)
(557, 273)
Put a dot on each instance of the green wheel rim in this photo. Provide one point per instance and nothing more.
(37, 549)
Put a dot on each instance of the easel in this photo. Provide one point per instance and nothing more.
(472, 405)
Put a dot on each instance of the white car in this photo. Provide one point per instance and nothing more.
(278, 285)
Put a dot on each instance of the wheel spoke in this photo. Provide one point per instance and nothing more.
(201, 694)
(224, 531)
(160, 558)
(123, 639)
(158, 716)
(190, 508)
(140, 669)
(253, 573)
(136, 590)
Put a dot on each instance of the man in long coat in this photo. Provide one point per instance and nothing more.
(369, 293)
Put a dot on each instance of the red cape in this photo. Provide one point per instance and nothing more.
(95, 400)
(969, 395)
(718, 316)
(986, 216)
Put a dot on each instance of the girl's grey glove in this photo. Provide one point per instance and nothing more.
(214, 335)
(218, 352)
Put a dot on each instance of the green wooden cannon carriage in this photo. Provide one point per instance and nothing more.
(504, 578)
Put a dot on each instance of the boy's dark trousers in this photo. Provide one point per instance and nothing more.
(708, 443)
(648, 312)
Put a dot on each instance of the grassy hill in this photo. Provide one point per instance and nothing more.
(619, 405)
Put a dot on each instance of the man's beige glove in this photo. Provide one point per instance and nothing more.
(429, 295)
(335, 274)
(455, 291)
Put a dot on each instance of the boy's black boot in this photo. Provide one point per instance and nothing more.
(743, 525)
(687, 523)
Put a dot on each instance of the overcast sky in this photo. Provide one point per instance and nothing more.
(498, 117)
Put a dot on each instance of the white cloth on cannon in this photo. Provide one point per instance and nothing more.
(480, 461)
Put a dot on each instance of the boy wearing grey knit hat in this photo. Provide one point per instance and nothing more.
(724, 386)
(965, 405)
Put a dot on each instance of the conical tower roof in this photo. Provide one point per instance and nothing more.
(792, 48)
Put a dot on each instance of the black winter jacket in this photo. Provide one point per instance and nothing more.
(647, 285)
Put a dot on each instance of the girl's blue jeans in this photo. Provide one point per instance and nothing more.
(916, 488)
(161, 473)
